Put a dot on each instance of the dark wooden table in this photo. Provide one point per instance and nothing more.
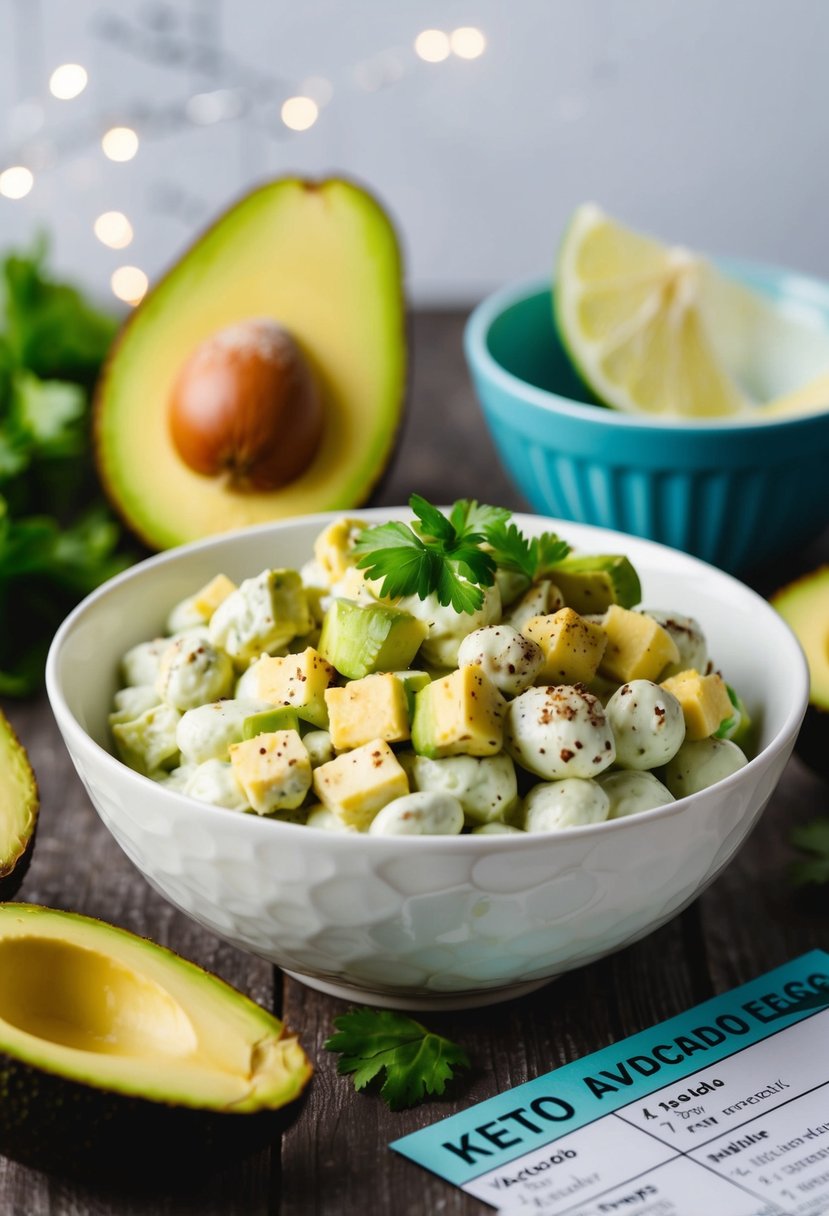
(335, 1160)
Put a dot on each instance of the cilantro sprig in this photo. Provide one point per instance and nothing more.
(416, 1062)
(453, 556)
(812, 839)
(57, 538)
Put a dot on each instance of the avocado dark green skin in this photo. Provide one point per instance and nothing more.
(65, 1127)
(14, 871)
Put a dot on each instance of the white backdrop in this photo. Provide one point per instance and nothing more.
(706, 122)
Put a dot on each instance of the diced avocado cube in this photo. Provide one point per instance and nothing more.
(375, 707)
(149, 742)
(298, 680)
(460, 714)
(360, 639)
(572, 647)
(207, 598)
(738, 725)
(637, 647)
(262, 615)
(356, 785)
(273, 770)
(334, 547)
(704, 700)
(269, 720)
(592, 583)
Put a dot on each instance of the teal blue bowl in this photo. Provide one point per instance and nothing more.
(733, 493)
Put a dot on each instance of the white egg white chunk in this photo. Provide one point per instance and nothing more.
(508, 659)
(206, 732)
(631, 792)
(700, 763)
(647, 723)
(192, 671)
(421, 814)
(486, 787)
(558, 731)
(569, 803)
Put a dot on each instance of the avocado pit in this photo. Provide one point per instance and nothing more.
(246, 407)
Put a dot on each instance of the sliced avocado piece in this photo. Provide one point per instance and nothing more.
(284, 717)
(321, 259)
(118, 1057)
(19, 805)
(458, 715)
(359, 639)
(804, 606)
(592, 583)
(737, 726)
(412, 682)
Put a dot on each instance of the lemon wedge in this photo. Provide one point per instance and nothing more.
(811, 398)
(655, 329)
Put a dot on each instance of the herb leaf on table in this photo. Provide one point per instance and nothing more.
(812, 838)
(416, 1062)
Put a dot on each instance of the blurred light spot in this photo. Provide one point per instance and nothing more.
(467, 42)
(319, 89)
(432, 45)
(68, 81)
(16, 182)
(299, 113)
(120, 143)
(129, 284)
(113, 229)
(218, 106)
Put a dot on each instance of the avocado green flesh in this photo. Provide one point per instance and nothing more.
(118, 1029)
(360, 639)
(804, 606)
(322, 260)
(18, 811)
(592, 584)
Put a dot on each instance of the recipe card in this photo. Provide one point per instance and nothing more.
(722, 1110)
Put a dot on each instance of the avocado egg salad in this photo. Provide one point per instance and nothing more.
(441, 676)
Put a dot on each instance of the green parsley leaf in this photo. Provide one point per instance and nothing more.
(467, 515)
(812, 838)
(438, 561)
(416, 1062)
(433, 523)
(531, 556)
(550, 549)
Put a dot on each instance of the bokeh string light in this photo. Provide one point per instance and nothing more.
(297, 104)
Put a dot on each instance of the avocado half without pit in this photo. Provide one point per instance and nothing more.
(264, 375)
(804, 606)
(18, 811)
(121, 1060)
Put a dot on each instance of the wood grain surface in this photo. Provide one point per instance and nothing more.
(335, 1159)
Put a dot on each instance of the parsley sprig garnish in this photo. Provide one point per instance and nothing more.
(415, 1061)
(453, 556)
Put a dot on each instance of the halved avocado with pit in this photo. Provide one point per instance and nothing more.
(118, 1058)
(18, 810)
(264, 375)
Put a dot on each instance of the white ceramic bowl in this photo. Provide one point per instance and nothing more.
(423, 922)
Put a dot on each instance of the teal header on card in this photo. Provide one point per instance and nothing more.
(497, 1131)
